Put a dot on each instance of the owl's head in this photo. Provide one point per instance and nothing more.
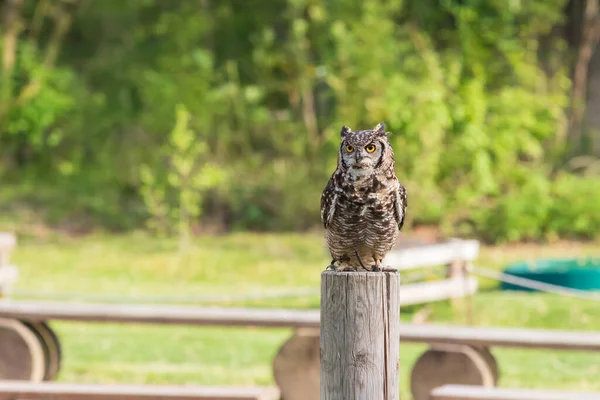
(365, 151)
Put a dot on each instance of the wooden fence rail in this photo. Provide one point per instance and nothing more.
(464, 392)
(9, 390)
(154, 314)
(215, 316)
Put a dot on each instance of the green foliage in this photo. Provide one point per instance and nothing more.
(475, 103)
(541, 209)
(574, 209)
(175, 198)
(520, 214)
(54, 100)
(32, 117)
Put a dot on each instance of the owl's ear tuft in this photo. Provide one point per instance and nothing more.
(345, 131)
(380, 129)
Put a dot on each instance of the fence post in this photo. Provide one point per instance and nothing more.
(7, 242)
(8, 273)
(360, 335)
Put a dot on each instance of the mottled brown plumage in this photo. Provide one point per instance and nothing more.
(363, 205)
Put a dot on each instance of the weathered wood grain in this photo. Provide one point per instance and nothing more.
(70, 391)
(466, 392)
(360, 317)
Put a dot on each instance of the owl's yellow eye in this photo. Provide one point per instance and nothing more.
(370, 148)
(349, 148)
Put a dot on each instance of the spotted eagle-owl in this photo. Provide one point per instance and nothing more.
(363, 205)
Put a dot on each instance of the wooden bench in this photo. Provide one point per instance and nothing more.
(457, 354)
(69, 391)
(465, 392)
(455, 254)
(462, 355)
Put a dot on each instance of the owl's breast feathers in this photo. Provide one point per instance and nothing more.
(368, 205)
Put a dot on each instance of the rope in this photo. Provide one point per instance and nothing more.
(537, 285)
(173, 299)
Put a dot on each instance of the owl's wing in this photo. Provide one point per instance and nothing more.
(400, 205)
(328, 203)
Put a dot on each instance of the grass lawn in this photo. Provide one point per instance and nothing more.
(236, 264)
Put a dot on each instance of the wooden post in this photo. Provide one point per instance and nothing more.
(360, 335)
(455, 270)
(8, 273)
(7, 242)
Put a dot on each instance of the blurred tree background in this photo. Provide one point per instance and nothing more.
(227, 113)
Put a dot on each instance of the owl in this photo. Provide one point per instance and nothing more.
(363, 205)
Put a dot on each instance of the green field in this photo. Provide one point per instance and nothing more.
(136, 265)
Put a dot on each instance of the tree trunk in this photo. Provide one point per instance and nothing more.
(589, 40)
(12, 26)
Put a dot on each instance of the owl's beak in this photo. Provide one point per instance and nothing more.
(361, 162)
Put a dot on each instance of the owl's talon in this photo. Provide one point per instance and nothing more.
(332, 265)
(377, 266)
